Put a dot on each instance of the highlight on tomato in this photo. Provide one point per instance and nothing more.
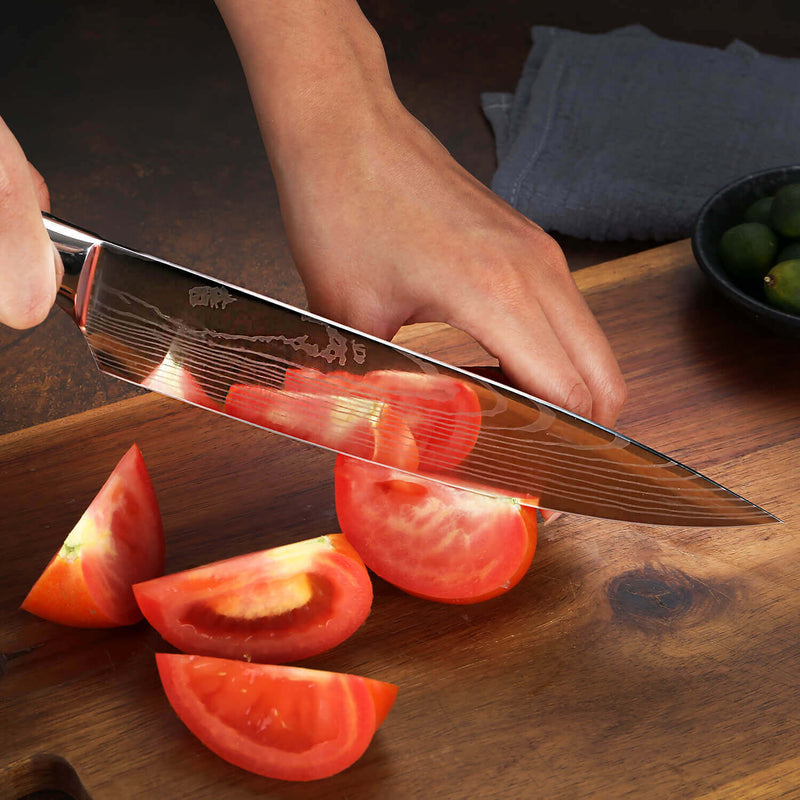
(432, 540)
(173, 379)
(442, 412)
(118, 541)
(282, 722)
(360, 426)
(282, 604)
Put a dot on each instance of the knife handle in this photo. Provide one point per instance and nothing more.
(73, 245)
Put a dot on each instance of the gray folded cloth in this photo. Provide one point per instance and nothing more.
(624, 135)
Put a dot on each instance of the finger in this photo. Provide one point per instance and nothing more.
(43, 197)
(548, 342)
(29, 267)
(530, 354)
(590, 352)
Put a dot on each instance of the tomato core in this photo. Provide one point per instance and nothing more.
(277, 604)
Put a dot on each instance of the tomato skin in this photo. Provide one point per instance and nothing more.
(433, 541)
(442, 412)
(363, 427)
(118, 541)
(277, 605)
(288, 723)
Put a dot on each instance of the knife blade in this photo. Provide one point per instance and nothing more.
(207, 342)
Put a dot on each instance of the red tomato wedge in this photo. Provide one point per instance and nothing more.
(431, 540)
(281, 722)
(277, 605)
(172, 379)
(362, 427)
(443, 413)
(117, 542)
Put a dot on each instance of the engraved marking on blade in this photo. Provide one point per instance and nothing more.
(359, 352)
(210, 297)
(336, 348)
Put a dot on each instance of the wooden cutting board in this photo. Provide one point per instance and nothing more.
(631, 661)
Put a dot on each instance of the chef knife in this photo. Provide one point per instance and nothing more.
(191, 336)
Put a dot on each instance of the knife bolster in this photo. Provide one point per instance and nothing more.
(73, 245)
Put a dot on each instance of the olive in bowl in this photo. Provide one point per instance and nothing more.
(741, 236)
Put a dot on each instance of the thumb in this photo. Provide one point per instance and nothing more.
(30, 270)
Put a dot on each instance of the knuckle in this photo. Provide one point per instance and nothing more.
(8, 186)
(617, 391)
(40, 187)
(550, 252)
(538, 245)
(578, 399)
(610, 396)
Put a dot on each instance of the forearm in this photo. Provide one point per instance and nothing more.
(386, 228)
(306, 61)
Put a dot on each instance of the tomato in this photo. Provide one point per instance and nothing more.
(276, 605)
(174, 380)
(443, 412)
(432, 540)
(360, 426)
(118, 541)
(281, 722)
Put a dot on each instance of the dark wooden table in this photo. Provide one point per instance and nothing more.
(630, 661)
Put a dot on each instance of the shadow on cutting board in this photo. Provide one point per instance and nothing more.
(41, 777)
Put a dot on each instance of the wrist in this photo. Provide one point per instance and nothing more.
(313, 69)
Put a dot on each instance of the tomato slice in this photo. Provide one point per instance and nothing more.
(174, 380)
(118, 541)
(277, 605)
(443, 412)
(432, 540)
(281, 722)
(362, 427)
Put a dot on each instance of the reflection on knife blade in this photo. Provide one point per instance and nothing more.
(256, 359)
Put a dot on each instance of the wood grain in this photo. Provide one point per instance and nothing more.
(631, 661)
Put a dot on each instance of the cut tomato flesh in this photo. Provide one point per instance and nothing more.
(277, 605)
(281, 722)
(442, 412)
(118, 541)
(432, 540)
(359, 426)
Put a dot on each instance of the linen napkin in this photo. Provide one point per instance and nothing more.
(624, 135)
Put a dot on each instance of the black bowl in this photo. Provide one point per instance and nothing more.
(723, 210)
